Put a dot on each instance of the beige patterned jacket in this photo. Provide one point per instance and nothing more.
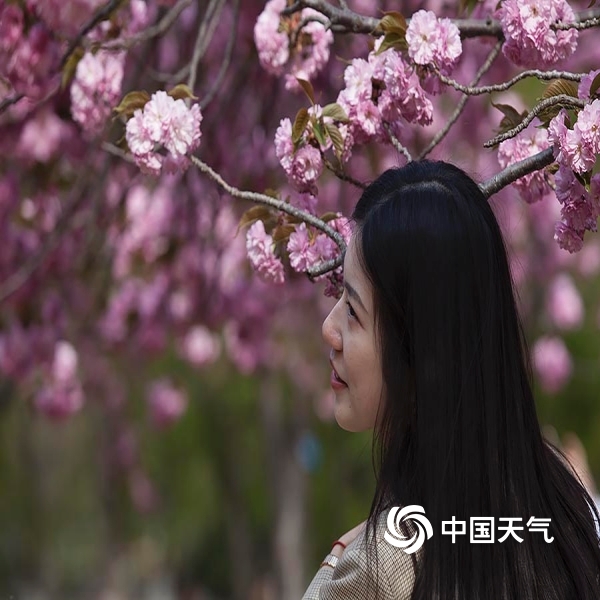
(351, 579)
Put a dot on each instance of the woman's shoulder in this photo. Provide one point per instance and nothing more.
(372, 567)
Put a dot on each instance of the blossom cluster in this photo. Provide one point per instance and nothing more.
(261, 252)
(434, 41)
(303, 162)
(164, 124)
(382, 90)
(96, 88)
(530, 40)
(29, 57)
(61, 394)
(579, 211)
(282, 47)
(576, 148)
(307, 249)
(533, 186)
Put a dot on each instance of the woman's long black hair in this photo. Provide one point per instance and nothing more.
(458, 432)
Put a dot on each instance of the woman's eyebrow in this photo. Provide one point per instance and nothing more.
(354, 294)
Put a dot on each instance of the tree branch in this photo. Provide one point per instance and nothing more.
(561, 99)
(463, 101)
(163, 25)
(340, 174)
(519, 169)
(396, 142)
(208, 97)
(326, 266)
(205, 33)
(281, 205)
(102, 14)
(347, 21)
(502, 87)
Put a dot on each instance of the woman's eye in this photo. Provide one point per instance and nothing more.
(350, 309)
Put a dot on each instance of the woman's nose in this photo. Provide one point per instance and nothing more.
(330, 332)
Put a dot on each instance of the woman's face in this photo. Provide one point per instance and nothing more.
(350, 331)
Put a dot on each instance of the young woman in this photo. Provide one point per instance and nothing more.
(428, 350)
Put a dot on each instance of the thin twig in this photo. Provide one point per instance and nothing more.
(163, 25)
(396, 142)
(305, 21)
(281, 205)
(116, 151)
(583, 24)
(101, 15)
(561, 99)
(212, 92)
(18, 279)
(471, 90)
(341, 175)
(205, 33)
(345, 20)
(463, 101)
(516, 170)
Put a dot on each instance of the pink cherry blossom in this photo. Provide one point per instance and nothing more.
(301, 249)
(583, 90)
(200, 346)
(529, 39)
(564, 304)
(167, 403)
(61, 394)
(282, 49)
(306, 168)
(163, 124)
(284, 147)
(588, 126)
(552, 363)
(96, 89)
(433, 41)
(533, 186)
(568, 238)
(261, 252)
(271, 43)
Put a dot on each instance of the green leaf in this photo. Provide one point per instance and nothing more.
(300, 124)
(319, 134)
(584, 178)
(308, 89)
(336, 112)
(182, 92)
(131, 102)
(68, 71)
(328, 216)
(393, 40)
(595, 85)
(282, 232)
(511, 116)
(393, 22)
(336, 137)
(558, 87)
(255, 213)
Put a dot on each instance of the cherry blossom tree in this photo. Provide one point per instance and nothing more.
(176, 173)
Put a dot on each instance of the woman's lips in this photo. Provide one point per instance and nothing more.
(337, 383)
